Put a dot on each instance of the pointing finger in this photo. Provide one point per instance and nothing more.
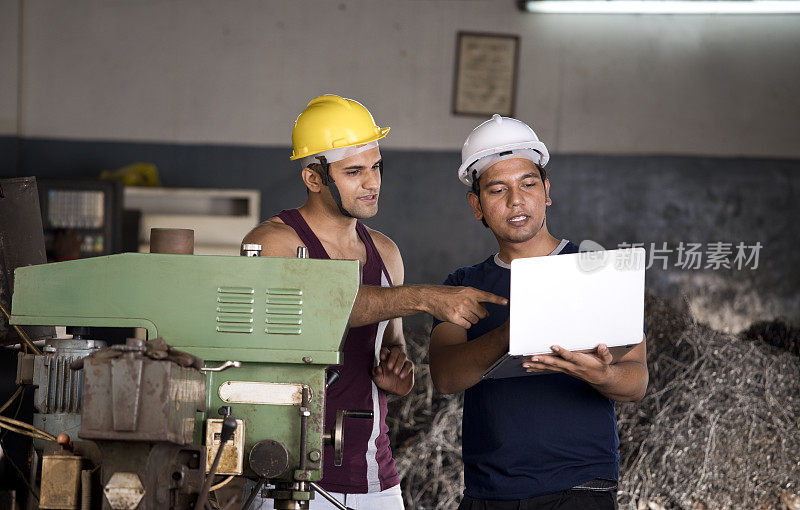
(488, 297)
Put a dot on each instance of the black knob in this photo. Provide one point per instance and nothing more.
(228, 427)
(225, 411)
(333, 376)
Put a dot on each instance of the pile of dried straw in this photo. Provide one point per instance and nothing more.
(718, 428)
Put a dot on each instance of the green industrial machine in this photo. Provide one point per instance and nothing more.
(266, 328)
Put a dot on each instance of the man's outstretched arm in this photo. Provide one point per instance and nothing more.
(459, 305)
(457, 364)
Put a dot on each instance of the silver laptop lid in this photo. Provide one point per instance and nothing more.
(577, 301)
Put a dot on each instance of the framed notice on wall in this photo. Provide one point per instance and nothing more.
(486, 74)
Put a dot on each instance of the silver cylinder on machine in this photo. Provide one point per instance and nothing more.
(251, 250)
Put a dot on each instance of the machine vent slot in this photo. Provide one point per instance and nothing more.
(233, 328)
(65, 386)
(236, 290)
(284, 308)
(235, 309)
(227, 298)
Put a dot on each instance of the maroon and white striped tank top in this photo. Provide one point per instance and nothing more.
(367, 464)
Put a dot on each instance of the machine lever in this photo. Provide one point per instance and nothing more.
(228, 364)
(325, 494)
(331, 377)
(363, 414)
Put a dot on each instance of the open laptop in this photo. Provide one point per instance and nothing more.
(576, 301)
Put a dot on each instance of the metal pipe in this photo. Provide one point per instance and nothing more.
(325, 494)
(304, 429)
(24, 336)
(253, 494)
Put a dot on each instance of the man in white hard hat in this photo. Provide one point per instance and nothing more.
(548, 441)
(335, 141)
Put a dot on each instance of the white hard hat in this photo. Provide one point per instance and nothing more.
(497, 139)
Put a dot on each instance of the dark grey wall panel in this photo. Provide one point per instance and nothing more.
(8, 156)
(609, 199)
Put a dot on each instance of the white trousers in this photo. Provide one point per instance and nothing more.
(389, 499)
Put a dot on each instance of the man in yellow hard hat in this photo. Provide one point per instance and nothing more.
(336, 142)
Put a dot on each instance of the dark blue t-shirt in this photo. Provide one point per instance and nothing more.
(528, 436)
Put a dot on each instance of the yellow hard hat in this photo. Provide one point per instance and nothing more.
(333, 122)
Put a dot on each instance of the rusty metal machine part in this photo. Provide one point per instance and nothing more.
(232, 460)
(124, 491)
(61, 478)
(290, 495)
(269, 459)
(129, 395)
(172, 240)
(171, 476)
(139, 406)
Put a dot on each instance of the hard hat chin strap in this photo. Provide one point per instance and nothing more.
(328, 181)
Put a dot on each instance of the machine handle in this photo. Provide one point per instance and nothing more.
(331, 377)
(362, 414)
(325, 494)
(336, 436)
(228, 364)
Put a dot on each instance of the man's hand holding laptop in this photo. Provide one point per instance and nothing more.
(593, 367)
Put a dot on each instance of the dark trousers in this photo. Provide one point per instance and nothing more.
(572, 499)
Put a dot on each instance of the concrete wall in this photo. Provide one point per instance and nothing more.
(238, 72)
(9, 34)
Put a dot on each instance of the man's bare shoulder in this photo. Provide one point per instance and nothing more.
(390, 254)
(276, 238)
(386, 247)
